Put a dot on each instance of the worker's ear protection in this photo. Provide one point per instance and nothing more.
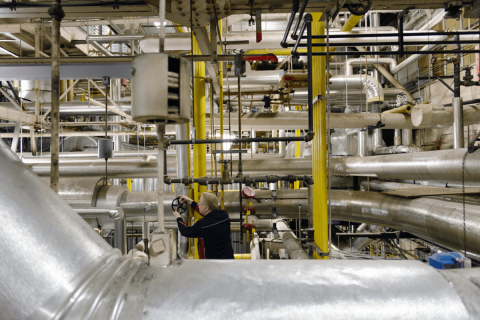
(179, 206)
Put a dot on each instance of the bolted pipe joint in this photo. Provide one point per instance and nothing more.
(56, 11)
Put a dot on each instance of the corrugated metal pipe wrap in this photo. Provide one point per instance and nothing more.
(61, 269)
(365, 82)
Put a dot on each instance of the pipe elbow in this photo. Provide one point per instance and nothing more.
(374, 89)
(117, 213)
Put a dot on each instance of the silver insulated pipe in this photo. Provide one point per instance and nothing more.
(61, 269)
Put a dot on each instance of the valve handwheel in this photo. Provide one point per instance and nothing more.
(361, 8)
(179, 206)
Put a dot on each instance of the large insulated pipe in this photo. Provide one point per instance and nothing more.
(434, 220)
(62, 269)
(55, 243)
(441, 166)
(436, 115)
(365, 82)
(148, 169)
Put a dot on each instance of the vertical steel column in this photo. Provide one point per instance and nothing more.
(199, 150)
(57, 15)
(319, 151)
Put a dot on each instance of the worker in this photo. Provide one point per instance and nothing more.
(214, 228)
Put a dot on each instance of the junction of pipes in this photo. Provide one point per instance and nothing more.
(340, 137)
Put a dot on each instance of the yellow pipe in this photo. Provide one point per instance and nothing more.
(243, 256)
(199, 150)
(70, 93)
(220, 109)
(319, 151)
(63, 88)
(402, 109)
(348, 26)
(179, 28)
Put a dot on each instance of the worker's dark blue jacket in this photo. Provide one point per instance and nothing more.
(214, 229)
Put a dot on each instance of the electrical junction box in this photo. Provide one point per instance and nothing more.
(445, 260)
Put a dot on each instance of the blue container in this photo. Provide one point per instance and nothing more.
(445, 260)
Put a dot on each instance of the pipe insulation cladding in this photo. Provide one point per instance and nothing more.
(62, 269)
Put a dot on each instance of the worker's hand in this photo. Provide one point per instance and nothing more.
(176, 214)
(186, 199)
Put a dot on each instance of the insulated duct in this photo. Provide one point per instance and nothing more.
(368, 83)
(362, 62)
(441, 166)
(61, 269)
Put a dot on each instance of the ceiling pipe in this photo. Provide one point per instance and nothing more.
(442, 166)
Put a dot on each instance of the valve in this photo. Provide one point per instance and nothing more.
(179, 206)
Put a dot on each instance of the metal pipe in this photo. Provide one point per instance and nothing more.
(57, 15)
(83, 270)
(56, 244)
(435, 115)
(397, 140)
(407, 137)
(299, 20)
(120, 240)
(458, 123)
(350, 63)
(287, 236)
(160, 174)
(430, 219)
(183, 154)
(368, 83)
(295, 6)
(441, 166)
(362, 143)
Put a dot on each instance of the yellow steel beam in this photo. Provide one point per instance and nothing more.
(319, 156)
(179, 28)
(199, 150)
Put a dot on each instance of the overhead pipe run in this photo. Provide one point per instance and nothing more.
(362, 62)
(441, 166)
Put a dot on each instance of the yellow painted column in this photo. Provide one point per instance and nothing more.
(220, 108)
(199, 150)
(319, 151)
(63, 88)
(70, 93)
(297, 148)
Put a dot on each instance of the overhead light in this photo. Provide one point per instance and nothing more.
(157, 23)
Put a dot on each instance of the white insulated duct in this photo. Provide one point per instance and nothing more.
(61, 269)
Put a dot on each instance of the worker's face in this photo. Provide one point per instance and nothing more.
(202, 208)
